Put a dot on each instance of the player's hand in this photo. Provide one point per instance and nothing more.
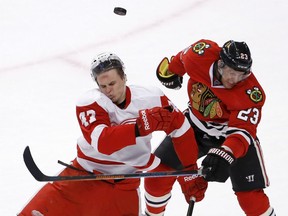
(193, 187)
(166, 77)
(155, 119)
(218, 162)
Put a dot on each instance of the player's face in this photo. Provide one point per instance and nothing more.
(112, 85)
(231, 77)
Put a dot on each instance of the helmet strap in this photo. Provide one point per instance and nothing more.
(221, 63)
(217, 71)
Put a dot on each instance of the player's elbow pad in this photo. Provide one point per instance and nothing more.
(168, 79)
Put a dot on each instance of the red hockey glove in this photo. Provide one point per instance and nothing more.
(193, 187)
(218, 160)
(167, 78)
(155, 119)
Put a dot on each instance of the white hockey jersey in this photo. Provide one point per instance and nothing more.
(108, 143)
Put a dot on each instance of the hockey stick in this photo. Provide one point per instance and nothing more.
(191, 206)
(39, 176)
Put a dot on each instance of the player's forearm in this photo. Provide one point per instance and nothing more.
(237, 145)
(115, 138)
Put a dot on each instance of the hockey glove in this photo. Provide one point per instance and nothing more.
(168, 79)
(193, 187)
(155, 119)
(218, 161)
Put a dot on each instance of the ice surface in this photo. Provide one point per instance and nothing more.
(46, 49)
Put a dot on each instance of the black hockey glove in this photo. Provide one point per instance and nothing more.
(218, 160)
(168, 79)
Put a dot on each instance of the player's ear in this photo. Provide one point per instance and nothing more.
(221, 64)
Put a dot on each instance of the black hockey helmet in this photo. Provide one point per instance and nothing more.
(236, 55)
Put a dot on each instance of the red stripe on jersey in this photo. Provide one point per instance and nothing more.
(115, 138)
(80, 154)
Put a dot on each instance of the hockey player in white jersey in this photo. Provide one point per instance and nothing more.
(116, 121)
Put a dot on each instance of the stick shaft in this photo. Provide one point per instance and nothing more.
(191, 207)
(39, 176)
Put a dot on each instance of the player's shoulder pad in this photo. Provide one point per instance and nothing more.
(254, 91)
(89, 97)
(147, 90)
(204, 47)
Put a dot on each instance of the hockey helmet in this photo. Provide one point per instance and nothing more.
(236, 55)
(105, 61)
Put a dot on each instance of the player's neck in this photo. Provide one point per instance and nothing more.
(122, 104)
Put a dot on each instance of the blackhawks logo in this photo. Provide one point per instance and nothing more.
(255, 94)
(204, 100)
(200, 47)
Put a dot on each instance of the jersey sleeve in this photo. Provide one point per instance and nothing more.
(242, 129)
(184, 144)
(176, 66)
(245, 104)
(192, 58)
(96, 128)
(182, 136)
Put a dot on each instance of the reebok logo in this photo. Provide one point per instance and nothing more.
(145, 120)
(190, 178)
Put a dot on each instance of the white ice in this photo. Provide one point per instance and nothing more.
(45, 51)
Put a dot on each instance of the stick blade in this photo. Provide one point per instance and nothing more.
(31, 166)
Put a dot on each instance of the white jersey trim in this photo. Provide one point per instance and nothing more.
(218, 130)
